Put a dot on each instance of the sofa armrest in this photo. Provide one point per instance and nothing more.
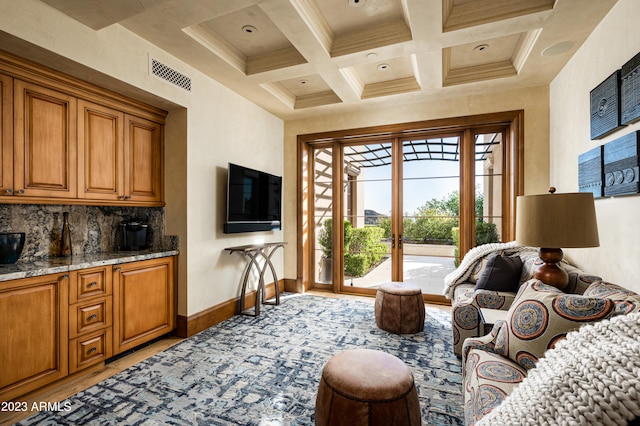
(467, 322)
(486, 343)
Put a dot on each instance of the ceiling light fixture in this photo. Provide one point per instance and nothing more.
(481, 47)
(249, 29)
(356, 3)
(383, 67)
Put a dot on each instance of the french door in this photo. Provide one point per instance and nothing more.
(403, 206)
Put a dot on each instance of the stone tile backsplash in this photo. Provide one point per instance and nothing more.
(94, 229)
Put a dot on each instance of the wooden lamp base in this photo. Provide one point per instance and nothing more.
(549, 272)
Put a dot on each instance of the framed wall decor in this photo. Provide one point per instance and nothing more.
(605, 107)
(590, 172)
(620, 165)
(630, 91)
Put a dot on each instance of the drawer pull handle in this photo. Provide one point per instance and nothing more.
(92, 284)
(92, 317)
(92, 350)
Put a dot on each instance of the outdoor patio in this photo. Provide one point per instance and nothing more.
(426, 272)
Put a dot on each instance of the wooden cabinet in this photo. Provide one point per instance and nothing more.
(90, 317)
(6, 135)
(115, 164)
(143, 160)
(33, 332)
(65, 141)
(144, 302)
(59, 324)
(100, 152)
(44, 142)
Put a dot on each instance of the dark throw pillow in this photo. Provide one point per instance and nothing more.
(502, 273)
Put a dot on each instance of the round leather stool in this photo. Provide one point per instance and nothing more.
(363, 387)
(399, 308)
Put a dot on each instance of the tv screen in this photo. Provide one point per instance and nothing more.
(253, 200)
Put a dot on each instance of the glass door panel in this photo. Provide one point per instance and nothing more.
(430, 201)
(367, 203)
(488, 187)
(323, 215)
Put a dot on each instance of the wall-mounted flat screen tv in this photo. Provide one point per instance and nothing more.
(254, 200)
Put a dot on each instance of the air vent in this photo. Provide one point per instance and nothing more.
(169, 74)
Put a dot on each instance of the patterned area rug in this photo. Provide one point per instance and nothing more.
(266, 370)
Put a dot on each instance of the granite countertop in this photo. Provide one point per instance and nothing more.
(65, 264)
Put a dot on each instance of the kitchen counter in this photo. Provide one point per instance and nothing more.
(58, 265)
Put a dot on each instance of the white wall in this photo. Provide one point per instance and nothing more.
(206, 129)
(534, 101)
(614, 42)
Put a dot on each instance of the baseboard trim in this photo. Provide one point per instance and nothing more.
(193, 324)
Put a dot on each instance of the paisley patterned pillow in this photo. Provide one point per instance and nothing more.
(626, 300)
(542, 315)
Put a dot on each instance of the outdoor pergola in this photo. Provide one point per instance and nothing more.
(439, 149)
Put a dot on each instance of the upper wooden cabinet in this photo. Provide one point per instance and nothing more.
(63, 140)
(44, 142)
(6, 134)
(120, 156)
(143, 160)
(100, 152)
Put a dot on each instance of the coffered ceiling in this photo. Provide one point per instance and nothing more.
(298, 58)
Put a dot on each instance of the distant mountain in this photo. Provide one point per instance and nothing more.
(371, 217)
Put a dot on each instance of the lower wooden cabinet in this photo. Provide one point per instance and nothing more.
(33, 332)
(59, 324)
(90, 349)
(144, 302)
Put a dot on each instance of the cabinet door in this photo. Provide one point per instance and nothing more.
(6, 135)
(143, 294)
(143, 160)
(45, 142)
(100, 152)
(33, 332)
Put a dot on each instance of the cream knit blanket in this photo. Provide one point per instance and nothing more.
(465, 268)
(590, 378)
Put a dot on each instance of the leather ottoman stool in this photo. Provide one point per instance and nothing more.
(363, 387)
(399, 308)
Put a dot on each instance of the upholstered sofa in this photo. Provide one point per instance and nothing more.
(499, 286)
(557, 358)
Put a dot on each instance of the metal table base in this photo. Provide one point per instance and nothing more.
(253, 252)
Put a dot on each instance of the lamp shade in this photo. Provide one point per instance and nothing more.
(557, 220)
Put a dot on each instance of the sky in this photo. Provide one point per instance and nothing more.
(423, 180)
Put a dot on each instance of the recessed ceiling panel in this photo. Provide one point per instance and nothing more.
(384, 70)
(484, 52)
(484, 59)
(458, 14)
(305, 85)
(249, 31)
(346, 16)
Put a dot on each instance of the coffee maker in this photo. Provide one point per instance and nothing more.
(133, 235)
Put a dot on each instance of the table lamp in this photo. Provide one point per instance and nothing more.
(551, 221)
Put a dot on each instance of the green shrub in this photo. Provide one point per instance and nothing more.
(365, 251)
(486, 233)
(325, 236)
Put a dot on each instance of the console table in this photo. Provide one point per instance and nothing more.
(253, 252)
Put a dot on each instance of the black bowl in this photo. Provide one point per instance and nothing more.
(11, 245)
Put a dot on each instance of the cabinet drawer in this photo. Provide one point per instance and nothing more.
(90, 283)
(89, 350)
(90, 316)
